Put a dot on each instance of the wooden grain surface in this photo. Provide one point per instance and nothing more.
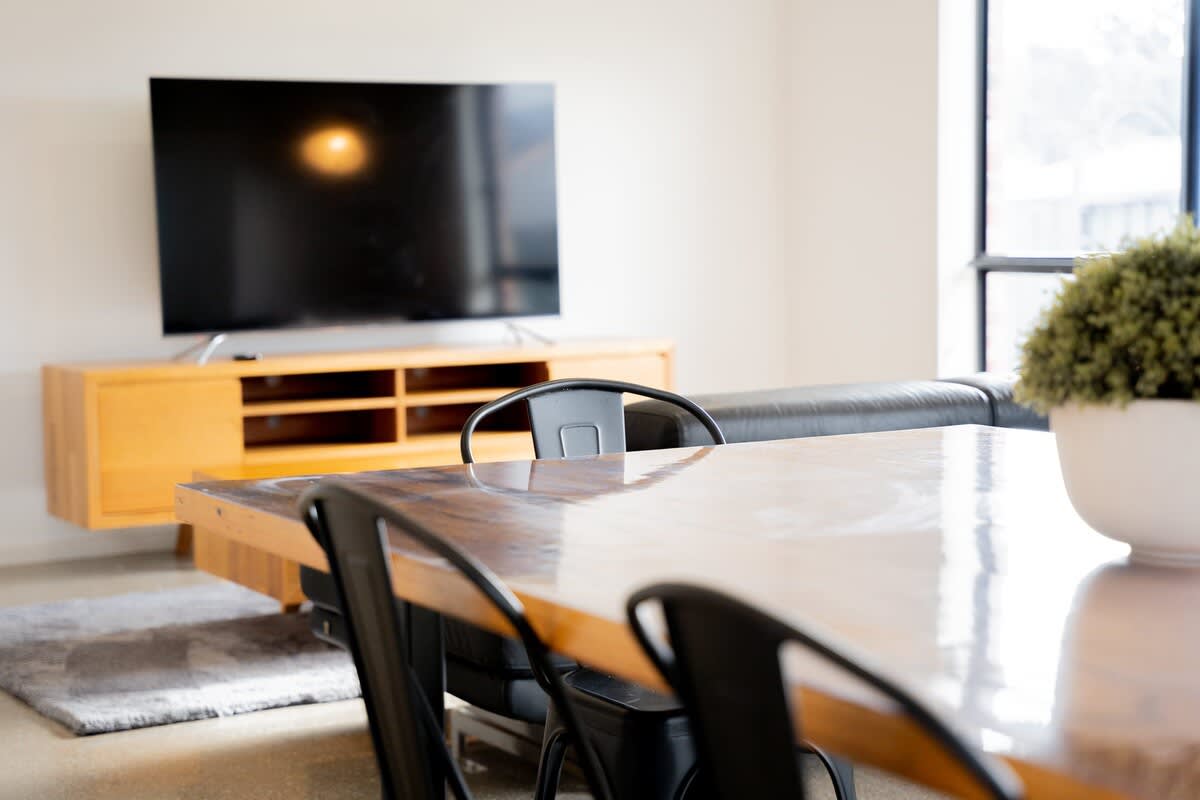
(408, 357)
(151, 435)
(949, 556)
(118, 436)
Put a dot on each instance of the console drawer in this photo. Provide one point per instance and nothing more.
(152, 435)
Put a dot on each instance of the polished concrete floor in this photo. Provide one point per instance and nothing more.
(316, 751)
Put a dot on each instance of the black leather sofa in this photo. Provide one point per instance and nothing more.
(981, 399)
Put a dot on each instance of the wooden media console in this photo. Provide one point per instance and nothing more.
(118, 437)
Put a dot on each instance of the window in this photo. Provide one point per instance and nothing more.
(1014, 302)
(1082, 145)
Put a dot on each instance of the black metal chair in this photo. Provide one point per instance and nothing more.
(413, 758)
(724, 662)
(579, 416)
(640, 736)
(488, 671)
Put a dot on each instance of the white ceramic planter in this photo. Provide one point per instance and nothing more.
(1133, 474)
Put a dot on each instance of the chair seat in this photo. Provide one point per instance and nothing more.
(492, 653)
(318, 587)
(497, 655)
(485, 669)
(512, 697)
(641, 737)
(626, 697)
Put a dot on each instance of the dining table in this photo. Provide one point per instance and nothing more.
(949, 558)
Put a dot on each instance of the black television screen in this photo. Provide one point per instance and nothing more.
(289, 203)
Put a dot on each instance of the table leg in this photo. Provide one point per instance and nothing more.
(183, 540)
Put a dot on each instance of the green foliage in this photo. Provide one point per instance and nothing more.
(1127, 327)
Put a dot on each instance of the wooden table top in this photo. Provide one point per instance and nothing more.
(951, 556)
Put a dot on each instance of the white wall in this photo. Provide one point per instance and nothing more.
(958, 301)
(669, 128)
(752, 178)
(861, 227)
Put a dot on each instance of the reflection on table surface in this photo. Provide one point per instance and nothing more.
(951, 556)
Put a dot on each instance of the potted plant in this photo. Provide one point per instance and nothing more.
(1115, 362)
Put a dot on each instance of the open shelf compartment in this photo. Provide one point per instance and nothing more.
(340, 427)
(471, 377)
(314, 386)
(449, 419)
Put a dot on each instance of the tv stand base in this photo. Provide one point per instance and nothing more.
(519, 332)
(206, 346)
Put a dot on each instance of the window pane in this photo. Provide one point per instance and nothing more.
(1083, 123)
(1014, 302)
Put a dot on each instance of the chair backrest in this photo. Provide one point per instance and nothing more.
(579, 417)
(723, 661)
(352, 528)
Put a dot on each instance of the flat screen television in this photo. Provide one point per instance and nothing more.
(292, 203)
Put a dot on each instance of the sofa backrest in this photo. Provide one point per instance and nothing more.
(833, 409)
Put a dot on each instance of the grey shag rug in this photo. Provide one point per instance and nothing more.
(151, 658)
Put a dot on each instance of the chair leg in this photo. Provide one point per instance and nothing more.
(841, 773)
(458, 739)
(550, 764)
(685, 785)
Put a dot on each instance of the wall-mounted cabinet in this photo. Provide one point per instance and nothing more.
(120, 436)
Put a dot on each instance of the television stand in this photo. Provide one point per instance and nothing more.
(207, 346)
(519, 332)
(120, 436)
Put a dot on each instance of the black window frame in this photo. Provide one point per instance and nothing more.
(984, 263)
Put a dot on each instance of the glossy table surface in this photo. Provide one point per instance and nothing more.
(949, 556)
